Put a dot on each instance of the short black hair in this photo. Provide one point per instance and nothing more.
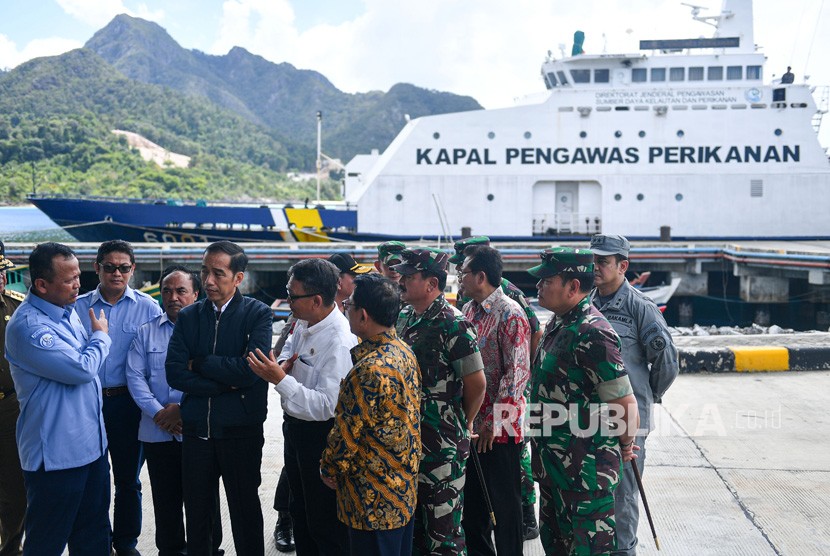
(239, 260)
(194, 278)
(487, 260)
(379, 296)
(317, 276)
(586, 280)
(41, 259)
(115, 246)
(439, 274)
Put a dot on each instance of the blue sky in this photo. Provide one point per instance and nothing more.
(489, 49)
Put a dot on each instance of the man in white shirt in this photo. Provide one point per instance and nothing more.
(307, 375)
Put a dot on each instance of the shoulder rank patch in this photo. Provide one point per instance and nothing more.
(14, 295)
(47, 340)
(658, 343)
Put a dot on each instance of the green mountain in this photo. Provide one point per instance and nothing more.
(244, 121)
(279, 96)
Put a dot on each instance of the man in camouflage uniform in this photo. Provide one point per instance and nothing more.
(576, 376)
(464, 248)
(650, 360)
(389, 254)
(452, 384)
(12, 488)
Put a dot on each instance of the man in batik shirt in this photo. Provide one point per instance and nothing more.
(503, 338)
(374, 447)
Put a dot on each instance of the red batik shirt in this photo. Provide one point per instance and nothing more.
(504, 341)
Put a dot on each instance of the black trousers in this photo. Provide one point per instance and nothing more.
(282, 496)
(12, 487)
(313, 505)
(501, 468)
(164, 465)
(237, 461)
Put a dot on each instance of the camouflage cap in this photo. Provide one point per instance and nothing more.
(421, 260)
(603, 245)
(346, 263)
(390, 251)
(462, 244)
(563, 259)
(4, 262)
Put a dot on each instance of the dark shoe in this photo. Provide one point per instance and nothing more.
(531, 528)
(126, 552)
(284, 540)
(283, 533)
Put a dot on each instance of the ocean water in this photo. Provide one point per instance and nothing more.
(27, 223)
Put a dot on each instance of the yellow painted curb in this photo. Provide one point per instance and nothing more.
(766, 358)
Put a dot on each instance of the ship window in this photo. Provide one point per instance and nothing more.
(638, 75)
(528, 135)
(490, 197)
(715, 73)
(734, 72)
(680, 133)
(491, 135)
(756, 188)
(678, 197)
(618, 134)
(399, 197)
(617, 197)
(602, 76)
(778, 132)
(696, 73)
(658, 74)
(581, 76)
(436, 135)
(583, 134)
(562, 79)
(753, 72)
(677, 74)
(642, 134)
(640, 196)
(552, 79)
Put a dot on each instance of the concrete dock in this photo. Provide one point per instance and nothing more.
(738, 464)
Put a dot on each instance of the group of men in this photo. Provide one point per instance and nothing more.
(406, 421)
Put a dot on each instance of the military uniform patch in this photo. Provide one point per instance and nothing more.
(658, 343)
(47, 341)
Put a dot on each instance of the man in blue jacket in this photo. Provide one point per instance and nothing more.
(224, 403)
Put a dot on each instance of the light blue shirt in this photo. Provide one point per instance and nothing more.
(131, 311)
(55, 365)
(147, 379)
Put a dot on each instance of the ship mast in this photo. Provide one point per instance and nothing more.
(319, 152)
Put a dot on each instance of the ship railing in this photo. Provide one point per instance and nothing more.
(567, 223)
(821, 94)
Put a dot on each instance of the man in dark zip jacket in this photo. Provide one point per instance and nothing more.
(224, 403)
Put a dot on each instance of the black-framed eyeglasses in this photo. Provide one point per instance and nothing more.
(465, 272)
(110, 268)
(291, 297)
(348, 304)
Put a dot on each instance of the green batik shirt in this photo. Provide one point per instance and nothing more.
(444, 343)
(577, 367)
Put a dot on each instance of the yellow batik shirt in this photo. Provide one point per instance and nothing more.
(374, 448)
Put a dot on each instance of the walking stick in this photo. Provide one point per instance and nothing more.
(645, 502)
(483, 485)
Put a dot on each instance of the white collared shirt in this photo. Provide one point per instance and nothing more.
(310, 391)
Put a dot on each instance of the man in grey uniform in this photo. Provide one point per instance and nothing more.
(649, 356)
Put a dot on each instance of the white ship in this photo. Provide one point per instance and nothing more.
(687, 136)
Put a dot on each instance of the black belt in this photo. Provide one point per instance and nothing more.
(115, 391)
(6, 393)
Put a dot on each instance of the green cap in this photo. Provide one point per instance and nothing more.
(462, 244)
(390, 252)
(421, 260)
(563, 259)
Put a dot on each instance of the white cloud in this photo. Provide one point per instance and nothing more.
(97, 13)
(491, 49)
(11, 57)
